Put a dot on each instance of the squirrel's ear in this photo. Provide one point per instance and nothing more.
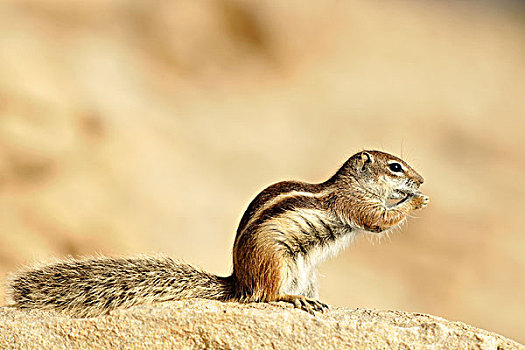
(365, 159)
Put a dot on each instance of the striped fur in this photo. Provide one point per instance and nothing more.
(291, 227)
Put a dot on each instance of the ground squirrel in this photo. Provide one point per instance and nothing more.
(287, 230)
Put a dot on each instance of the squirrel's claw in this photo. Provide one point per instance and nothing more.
(306, 304)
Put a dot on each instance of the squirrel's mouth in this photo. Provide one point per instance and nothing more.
(397, 197)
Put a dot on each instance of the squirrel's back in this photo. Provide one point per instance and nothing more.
(94, 286)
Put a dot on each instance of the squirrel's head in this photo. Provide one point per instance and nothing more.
(380, 174)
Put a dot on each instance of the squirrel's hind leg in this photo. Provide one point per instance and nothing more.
(301, 302)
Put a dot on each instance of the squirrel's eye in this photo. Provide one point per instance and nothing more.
(395, 167)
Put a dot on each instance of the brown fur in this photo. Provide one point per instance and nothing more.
(285, 232)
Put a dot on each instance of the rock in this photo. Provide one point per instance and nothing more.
(202, 324)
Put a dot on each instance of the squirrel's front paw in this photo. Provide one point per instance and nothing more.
(419, 201)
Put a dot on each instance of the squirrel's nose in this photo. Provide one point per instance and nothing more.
(419, 179)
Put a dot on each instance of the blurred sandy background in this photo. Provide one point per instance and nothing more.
(148, 126)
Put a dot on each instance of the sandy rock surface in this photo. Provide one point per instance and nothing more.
(198, 324)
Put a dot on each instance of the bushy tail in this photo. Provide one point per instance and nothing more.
(94, 286)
